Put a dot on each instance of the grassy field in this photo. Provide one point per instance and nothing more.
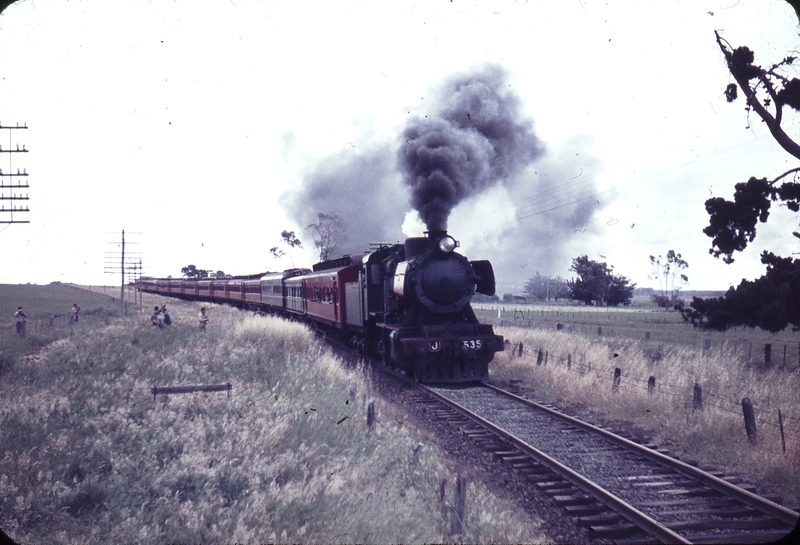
(42, 302)
(645, 321)
(48, 309)
(88, 456)
(577, 370)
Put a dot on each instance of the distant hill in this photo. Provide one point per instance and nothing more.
(685, 294)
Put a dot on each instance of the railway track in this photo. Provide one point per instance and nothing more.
(619, 490)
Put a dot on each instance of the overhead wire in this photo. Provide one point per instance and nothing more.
(554, 198)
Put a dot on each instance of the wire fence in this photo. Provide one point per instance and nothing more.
(785, 418)
(55, 323)
(59, 322)
(742, 344)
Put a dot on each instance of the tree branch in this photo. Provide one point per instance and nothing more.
(785, 174)
(773, 124)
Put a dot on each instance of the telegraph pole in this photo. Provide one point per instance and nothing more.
(122, 283)
(10, 185)
(112, 267)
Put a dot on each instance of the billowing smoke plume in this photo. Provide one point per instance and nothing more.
(475, 154)
(476, 139)
(363, 188)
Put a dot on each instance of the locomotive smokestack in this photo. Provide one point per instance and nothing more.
(435, 234)
(419, 245)
(416, 246)
(477, 139)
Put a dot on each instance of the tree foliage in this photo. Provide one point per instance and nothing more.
(668, 270)
(767, 92)
(597, 284)
(290, 240)
(769, 302)
(328, 234)
(545, 288)
(192, 272)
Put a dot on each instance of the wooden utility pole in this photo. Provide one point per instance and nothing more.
(112, 267)
(122, 283)
(10, 185)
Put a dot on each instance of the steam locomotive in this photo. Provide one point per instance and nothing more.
(407, 304)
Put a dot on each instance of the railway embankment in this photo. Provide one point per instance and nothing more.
(689, 400)
(88, 455)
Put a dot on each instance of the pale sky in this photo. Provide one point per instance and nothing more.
(190, 124)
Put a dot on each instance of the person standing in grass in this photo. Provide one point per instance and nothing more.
(203, 319)
(21, 317)
(75, 311)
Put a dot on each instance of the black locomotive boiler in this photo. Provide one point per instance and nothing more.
(407, 304)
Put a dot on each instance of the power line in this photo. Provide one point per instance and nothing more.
(560, 201)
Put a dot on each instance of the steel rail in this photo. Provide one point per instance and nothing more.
(639, 519)
(764, 505)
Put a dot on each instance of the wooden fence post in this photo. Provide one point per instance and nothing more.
(780, 424)
(647, 335)
(459, 503)
(415, 454)
(569, 362)
(749, 420)
(370, 414)
(520, 349)
(767, 354)
(617, 377)
(539, 357)
(697, 400)
(353, 390)
(599, 330)
(443, 497)
(651, 385)
(706, 345)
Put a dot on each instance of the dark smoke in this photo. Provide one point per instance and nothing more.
(477, 148)
(476, 139)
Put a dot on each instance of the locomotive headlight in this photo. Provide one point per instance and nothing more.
(447, 244)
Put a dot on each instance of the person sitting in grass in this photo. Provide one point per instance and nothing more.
(167, 317)
(157, 319)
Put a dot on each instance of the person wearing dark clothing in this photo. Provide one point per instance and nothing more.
(203, 319)
(20, 317)
(74, 312)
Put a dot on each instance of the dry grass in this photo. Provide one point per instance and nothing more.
(714, 435)
(88, 456)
